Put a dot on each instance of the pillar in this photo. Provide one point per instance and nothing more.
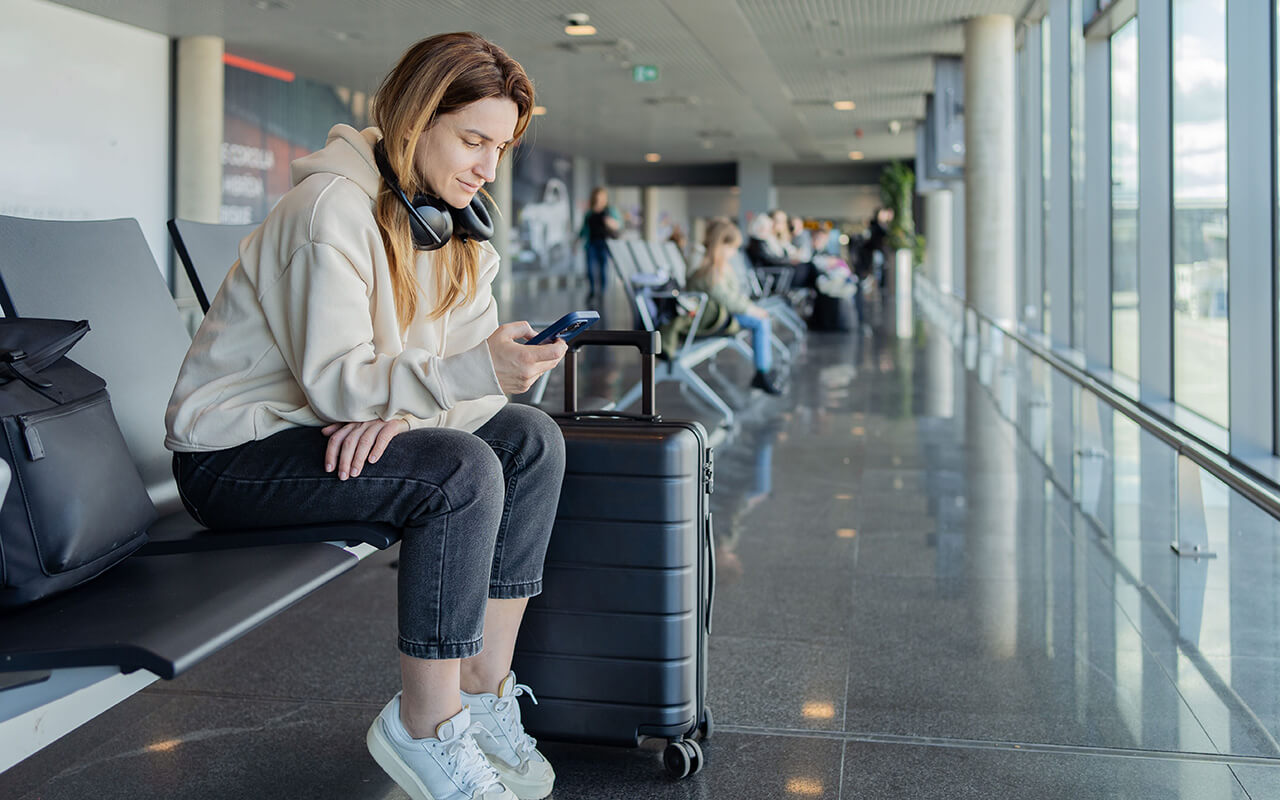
(990, 167)
(937, 238)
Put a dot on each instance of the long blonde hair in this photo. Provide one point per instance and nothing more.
(720, 231)
(438, 75)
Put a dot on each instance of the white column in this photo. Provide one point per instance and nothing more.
(990, 166)
(649, 202)
(500, 191)
(197, 157)
(198, 160)
(937, 238)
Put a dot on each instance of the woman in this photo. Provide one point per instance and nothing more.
(719, 279)
(598, 227)
(352, 368)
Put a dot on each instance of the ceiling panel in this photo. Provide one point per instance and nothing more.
(737, 78)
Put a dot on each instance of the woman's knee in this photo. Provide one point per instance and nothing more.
(531, 433)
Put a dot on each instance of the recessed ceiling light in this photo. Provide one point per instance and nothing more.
(844, 105)
(580, 30)
(856, 155)
(539, 110)
(652, 158)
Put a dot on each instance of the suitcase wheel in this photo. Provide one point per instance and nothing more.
(706, 727)
(682, 758)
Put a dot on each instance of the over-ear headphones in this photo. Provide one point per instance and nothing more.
(432, 220)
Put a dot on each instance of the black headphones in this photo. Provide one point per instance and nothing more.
(432, 220)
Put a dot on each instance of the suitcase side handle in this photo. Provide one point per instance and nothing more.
(647, 342)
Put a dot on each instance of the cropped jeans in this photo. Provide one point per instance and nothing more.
(475, 511)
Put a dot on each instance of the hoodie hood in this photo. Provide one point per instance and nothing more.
(347, 152)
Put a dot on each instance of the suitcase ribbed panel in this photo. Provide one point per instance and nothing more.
(611, 680)
(631, 544)
(614, 646)
(631, 591)
(610, 723)
(576, 633)
(629, 498)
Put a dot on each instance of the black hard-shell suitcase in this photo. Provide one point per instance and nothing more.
(616, 644)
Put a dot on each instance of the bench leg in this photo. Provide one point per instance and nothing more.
(690, 378)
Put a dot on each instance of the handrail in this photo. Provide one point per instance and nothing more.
(1241, 477)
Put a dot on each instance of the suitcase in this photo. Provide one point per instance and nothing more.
(616, 644)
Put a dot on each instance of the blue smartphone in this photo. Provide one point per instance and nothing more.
(565, 328)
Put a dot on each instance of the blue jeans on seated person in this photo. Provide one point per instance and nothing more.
(760, 346)
(475, 511)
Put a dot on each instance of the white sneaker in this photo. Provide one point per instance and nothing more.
(449, 767)
(513, 753)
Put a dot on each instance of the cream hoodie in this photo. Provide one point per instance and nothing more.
(304, 331)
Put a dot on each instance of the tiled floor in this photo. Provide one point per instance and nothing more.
(917, 598)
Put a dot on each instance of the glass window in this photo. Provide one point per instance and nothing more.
(1045, 142)
(1124, 200)
(1200, 207)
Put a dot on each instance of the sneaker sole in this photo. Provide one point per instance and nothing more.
(522, 787)
(394, 765)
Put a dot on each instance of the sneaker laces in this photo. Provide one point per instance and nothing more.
(508, 710)
(473, 770)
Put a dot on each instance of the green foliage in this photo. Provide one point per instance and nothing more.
(897, 190)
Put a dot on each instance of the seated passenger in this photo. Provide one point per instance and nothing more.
(763, 249)
(353, 368)
(717, 277)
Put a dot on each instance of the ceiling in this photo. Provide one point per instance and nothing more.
(738, 79)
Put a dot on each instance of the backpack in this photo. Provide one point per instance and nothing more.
(75, 504)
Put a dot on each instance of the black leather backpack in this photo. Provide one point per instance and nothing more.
(76, 504)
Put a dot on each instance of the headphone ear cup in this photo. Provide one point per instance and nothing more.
(440, 223)
(474, 221)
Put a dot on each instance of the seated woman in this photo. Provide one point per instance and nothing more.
(717, 277)
(353, 369)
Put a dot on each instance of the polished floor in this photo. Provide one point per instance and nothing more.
(934, 582)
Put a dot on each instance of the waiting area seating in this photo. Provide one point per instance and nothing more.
(652, 273)
(189, 591)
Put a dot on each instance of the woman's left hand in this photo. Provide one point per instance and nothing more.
(352, 444)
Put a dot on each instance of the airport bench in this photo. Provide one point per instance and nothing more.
(189, 591)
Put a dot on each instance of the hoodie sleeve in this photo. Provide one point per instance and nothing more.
(318, 313)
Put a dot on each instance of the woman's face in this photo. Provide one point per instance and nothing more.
(726, 249)
(459, 153)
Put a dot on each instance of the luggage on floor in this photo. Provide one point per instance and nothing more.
(616, 645)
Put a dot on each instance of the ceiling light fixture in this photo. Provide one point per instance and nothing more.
(856, 155)
(539, 111)
(576, 25)
(844, 105)
(652, 158)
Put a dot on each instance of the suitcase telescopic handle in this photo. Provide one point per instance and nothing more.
(647, 342)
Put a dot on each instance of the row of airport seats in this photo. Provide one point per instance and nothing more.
(650, 271)
(189, 591)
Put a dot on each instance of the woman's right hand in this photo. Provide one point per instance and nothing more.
(519, 365)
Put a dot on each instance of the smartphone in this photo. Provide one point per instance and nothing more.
(565, 328)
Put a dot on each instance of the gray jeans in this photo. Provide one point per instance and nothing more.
(475, 511)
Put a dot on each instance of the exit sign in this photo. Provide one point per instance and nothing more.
(644, 73)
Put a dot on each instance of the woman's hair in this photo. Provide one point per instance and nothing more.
(596, 194)
(720, 231)
(762, 226)
(437, 76)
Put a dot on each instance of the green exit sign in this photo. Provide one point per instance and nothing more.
(644, 73)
